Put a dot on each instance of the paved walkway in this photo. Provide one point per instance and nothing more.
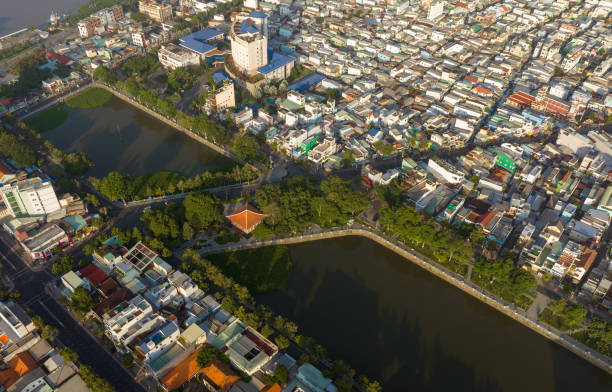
(540, 302)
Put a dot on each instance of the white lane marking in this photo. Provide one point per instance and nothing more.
(51, 313)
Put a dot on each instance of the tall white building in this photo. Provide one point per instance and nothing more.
(31, 197)
(249, 38)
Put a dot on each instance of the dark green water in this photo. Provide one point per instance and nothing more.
(397, 323)
(118, 136)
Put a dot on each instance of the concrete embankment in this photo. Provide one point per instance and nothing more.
(599, 360)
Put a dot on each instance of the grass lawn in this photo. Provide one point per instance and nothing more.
(90, 98)
(260, 270)
(49, 119)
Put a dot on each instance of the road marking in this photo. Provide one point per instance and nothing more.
(51, 313)
(36, 298)
(9, 262)
(19, 273)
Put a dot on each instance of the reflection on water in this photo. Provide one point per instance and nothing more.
(397, 323)
(16, 15)
(117, 136)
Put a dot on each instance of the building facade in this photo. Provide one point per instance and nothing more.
(159, 12)
(103, 17)
(31, 197)
(173, 56)
(249, 40)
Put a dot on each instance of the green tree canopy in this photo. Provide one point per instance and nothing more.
(116, 186)
(202, 209)
(246, 148)
(69, 354)
(208, 353)
(81, 300)
(19, 152)
(105, 75)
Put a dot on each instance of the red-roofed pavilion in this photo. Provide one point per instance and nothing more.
(246, 218)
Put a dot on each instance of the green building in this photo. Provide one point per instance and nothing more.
(505, 162)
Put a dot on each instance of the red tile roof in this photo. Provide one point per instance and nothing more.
(182, 372)
(220, 374)
(60, 58)
(93, 274)
(19, 366)
(115, 299)
(246, 218)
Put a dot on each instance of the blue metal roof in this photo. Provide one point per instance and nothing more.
(204, 34)
(246, 26)
(306, 82)
(258, 14)
(275, 61)
(197, 46)
(219, 77)
(198, 40)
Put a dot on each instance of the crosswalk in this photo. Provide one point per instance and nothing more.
(18, 273)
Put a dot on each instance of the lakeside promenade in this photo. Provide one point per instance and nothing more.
(564, 340)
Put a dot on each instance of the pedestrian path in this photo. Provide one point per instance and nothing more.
(540, 302)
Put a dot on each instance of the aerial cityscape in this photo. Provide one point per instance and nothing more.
(305, 195)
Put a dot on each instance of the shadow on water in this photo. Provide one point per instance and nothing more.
(397, 323)
(117, 136)
(385, 347)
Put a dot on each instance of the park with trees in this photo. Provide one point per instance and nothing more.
(295, 203)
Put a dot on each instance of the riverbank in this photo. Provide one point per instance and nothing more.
(454, 279)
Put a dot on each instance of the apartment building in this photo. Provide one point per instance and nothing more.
(122, 318)
(31, 197)
(223, 97)
(249, 40)
(159, 12)
(15, 324)
(173, 56)
(103, 18)
(159, 341)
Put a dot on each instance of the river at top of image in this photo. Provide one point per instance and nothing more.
(17, 15)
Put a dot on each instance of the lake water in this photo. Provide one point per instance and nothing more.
(16, 15)
(118, 136)
(399, 324)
